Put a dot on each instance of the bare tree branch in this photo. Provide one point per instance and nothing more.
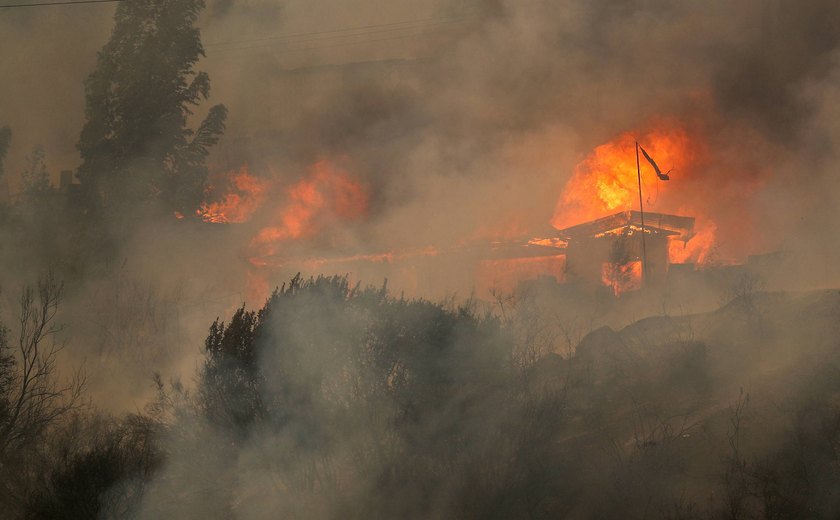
(35, 395)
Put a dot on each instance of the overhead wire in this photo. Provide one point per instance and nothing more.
(421, 21)
(60, 2)
(357, 35)
(350, 36)
(237, 46)
(344, 33)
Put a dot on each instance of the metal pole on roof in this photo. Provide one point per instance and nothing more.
(642, 213)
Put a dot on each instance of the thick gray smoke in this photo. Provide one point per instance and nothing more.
(462, 121)
(465, 116)
(466, 119)
(478, 121)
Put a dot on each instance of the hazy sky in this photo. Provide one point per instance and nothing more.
(47, 52)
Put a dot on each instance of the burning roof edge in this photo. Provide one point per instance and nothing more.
(682, 226)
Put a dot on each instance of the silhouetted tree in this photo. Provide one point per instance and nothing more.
(32, 396)
(135, 143)
(99, 472)
(320, 333)
(418, 401)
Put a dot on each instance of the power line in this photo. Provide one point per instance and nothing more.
(409, 24)
(356, 35)
(67, 2)
(296, 38)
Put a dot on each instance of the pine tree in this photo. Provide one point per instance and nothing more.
(135, 145)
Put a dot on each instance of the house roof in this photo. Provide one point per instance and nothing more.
(655, 223)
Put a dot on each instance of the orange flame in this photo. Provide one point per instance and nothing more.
(245, 197)
(622, 278)
(329, 192)
(606, 180)
(698, 249)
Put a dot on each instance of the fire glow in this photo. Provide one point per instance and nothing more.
(606, 182)
(622, 278)
(330, 193)
(246, 193)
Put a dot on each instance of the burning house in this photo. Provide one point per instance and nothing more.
(605, 252)
(612, 250)
(609, 251)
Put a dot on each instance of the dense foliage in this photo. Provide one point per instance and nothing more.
(135, 143)
(336, 401)
(365, 404)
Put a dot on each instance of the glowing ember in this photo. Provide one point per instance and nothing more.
(622, 278)
(548, 242)
(239, 204)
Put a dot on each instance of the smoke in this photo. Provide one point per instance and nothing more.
(480, 126)
(43, 101)
(463, 121)
(451, 110)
